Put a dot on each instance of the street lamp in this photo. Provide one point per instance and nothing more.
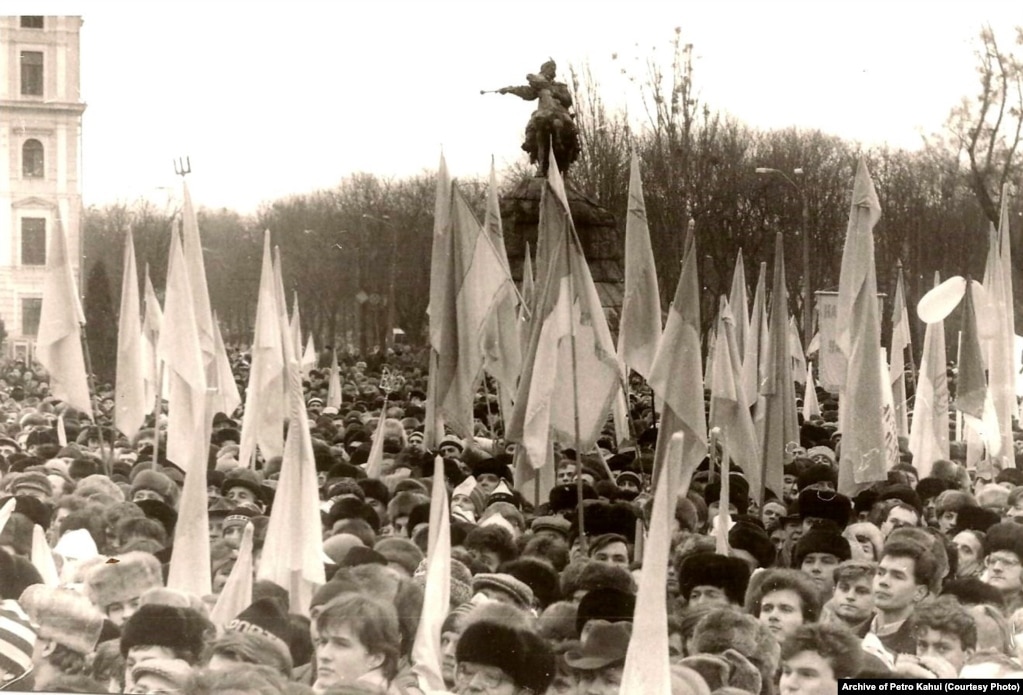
(391, 272)
(801, 191)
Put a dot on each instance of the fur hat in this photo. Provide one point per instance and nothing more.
(180, 629)
(727, 628)
(514, 588)
(522, 655)
(493, 467)
(822, 539)
(975, 519)
(738, 492)
(157, 482)
(748, 536)
(608, 605)
(1005, 535)
(818, 503)
(903, 493)
(64, 616)
(565, 497)
(161, 512)
(400, 551)
(339, 545)
(122, 578)
(243, 477)
(730, 574)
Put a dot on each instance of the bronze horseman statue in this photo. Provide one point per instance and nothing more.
(552, 124)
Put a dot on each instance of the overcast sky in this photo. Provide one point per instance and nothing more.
(274, 98)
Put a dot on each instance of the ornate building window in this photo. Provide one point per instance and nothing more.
(33, 241)
(32, 73)
(32, 160)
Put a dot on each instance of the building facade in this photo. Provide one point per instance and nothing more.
(40, 162)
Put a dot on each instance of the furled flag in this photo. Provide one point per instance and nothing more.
(897, 357)
(676, 375)
(427, 654)
(858, 323)
(728, 411)
(775, 419)
(755, 338)
(334, 382)
(973, 398)
(375, 461)
(796, 350)
(309, 356)
(59, 342)
(1001, 342)
(501, 335)
(227, 399)
(263, 420)
(928, 432)
(292, 551)
(130, 405)
(441, 308)
(236, 595)
(640, 328)
(739, 303)
(196, 270)
(187, 429)
(647, 666)
(152, 321)
(42, 557)
(570, 371)
(811, 408)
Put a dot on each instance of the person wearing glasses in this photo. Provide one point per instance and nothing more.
(1003, 549)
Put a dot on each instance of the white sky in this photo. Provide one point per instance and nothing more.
(272, 98)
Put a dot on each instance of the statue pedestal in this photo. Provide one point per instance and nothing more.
(595, 226)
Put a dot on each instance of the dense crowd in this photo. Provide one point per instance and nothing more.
(911, 578)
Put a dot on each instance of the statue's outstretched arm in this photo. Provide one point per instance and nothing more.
(525, 92)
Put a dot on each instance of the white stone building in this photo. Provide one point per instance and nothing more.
(40, 161)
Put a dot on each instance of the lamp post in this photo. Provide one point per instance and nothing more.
(391, 272)
(801, 191)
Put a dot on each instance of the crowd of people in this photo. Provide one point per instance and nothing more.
(911, 578)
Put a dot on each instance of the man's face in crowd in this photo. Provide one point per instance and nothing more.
(1003, 570)
(603, 681)
(7, 448)
(488, 558)
(969, 549)
(899, 517)
(853, 600)
(416, 444)
(807, 673)
(948, 520)
(216, 528)
(704, 595)
(931, 642)
(616, 553)
(782, 612)
(341, 656)
(399, 526)
(566, 474)
(821, 568)
(144, 494)
(450, 451)
(239, 496)
(136, 655)
(772, 513)
(789, 486)
(488, 482)
(119, 611)
(480, 679)
(232, 534)
(895, 586)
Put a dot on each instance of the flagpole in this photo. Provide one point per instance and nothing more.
(108, 456)
(157, 411)
(575, 396)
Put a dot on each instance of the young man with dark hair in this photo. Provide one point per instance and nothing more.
(944, 629)
(852, 603)
(904, 575)
(815, 656)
